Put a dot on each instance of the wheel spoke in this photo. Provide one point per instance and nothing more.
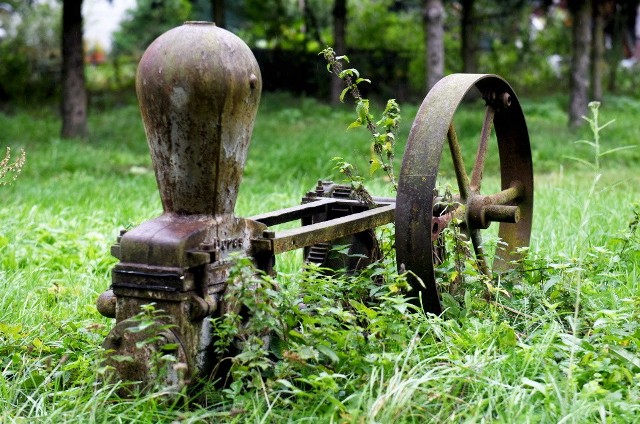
(507, 196)
(481, 155)
(481, 259)
(458, 163)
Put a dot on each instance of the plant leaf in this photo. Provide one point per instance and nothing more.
(616, 149)
(587, 142)
(344, 92)
(355, 124)
(627, 356)
(606, 125)
(582, 161)
(326, 351)
(375, 164)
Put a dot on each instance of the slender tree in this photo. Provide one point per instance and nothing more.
(468, 36)
(218, 9)
(339, 43)
(74, 94)
(597, 49)
(433, 20)
(623, 11)
(580, 60)
(311, 26)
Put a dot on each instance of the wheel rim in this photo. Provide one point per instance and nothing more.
(415, 220)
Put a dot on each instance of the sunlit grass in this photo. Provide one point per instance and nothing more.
(568, 353)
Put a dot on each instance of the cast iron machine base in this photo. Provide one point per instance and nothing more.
(199, 87)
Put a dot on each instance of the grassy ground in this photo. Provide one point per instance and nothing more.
(562, 347)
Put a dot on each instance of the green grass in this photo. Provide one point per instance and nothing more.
(564, 347)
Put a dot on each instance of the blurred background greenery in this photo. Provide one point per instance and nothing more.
(528, 42)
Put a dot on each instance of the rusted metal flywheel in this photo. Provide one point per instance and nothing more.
(419, 219)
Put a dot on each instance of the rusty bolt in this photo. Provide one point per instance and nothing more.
(506, 100)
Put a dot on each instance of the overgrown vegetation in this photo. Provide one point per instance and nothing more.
(383, 132)
(558, 341)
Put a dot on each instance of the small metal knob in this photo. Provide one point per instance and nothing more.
(106, 304)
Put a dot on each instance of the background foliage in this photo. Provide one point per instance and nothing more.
(30, 53)
(388, 36)
(145, 22)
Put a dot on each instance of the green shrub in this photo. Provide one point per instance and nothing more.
(145, 22)
(30, 54)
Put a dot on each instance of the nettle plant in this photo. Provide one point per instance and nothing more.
(383, 131)
(299, 337)
(456, 265)
(595, 145)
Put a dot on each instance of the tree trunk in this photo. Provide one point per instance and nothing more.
(217, 12)
(339, 43)
(433, 21)
(615, 53)
(597, 60)
(581, 38)
(74, 94)
(469, 43)
(637, 34)
(312, 29)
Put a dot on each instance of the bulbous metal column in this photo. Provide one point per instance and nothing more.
(199, 87)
